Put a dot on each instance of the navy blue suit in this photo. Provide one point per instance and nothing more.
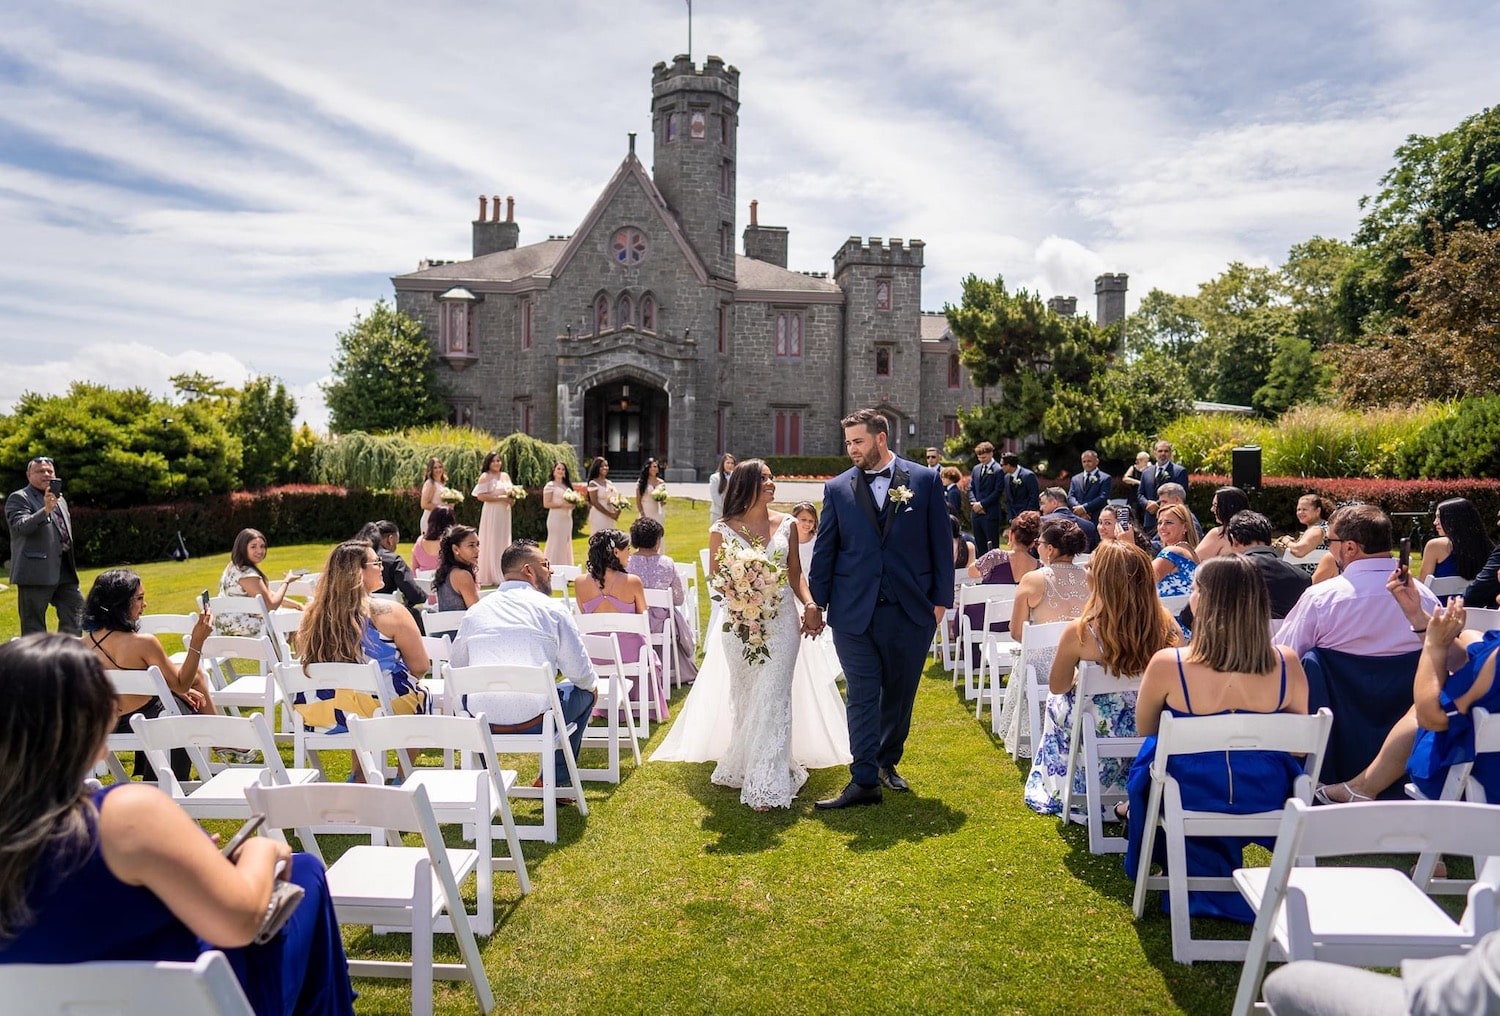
(1091, 495)
(1090, 531)
(1022, 492)
(985, 487)
(880, 573)
(1151, 481)
(954, 500)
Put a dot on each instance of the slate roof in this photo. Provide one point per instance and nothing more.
(934, 327)
(502, 266)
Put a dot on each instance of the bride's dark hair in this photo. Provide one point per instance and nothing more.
(743, 489)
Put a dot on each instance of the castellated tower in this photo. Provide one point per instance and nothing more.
(694, 119)
(882, 284)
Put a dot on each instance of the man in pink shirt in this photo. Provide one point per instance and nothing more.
(1354, 613)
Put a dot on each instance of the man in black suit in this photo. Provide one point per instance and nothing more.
(1023, 491)
(1165, 471)
(1055, 506)
(1484, 591)
(41, 551)
(395, 576)
(985, 490)
(1249, 533)
(1089, 491)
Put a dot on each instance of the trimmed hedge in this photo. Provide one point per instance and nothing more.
(806, 465)
(1277, 497)
(290, 514)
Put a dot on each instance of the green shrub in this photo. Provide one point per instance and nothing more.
(1463, 441)
(1277, 497)
(810, 465)
(1203, 442)
(398, 461)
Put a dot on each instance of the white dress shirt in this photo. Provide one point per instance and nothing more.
(881, 485)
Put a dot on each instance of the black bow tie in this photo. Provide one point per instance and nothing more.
(871, 477)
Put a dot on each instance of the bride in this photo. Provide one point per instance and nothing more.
(763, 723)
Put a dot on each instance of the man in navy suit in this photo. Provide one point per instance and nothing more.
(1088, 492)
(884, 571)
(984, 499)
(1165, 471)
(1022, 490)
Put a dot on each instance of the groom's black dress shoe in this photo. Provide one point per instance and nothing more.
(852, 796)
(893, 781)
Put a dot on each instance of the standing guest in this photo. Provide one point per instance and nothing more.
(1165, 471)
(425, 553)
(716, 484)
(123, 873)
(41, 551)
(494, 493)
(520, 623)
(456, 581)
(806, 514)
(242, 577)
(1461, 546)
(604, 503)
(986, 485)
(646, 505)
(434, 485)
(1178, 560)
(1054, 501)
(1088, 492)
(559, 546)
(657, 571)
(1022, 489)
(953, 496)
(934, 459)
(1133, 475)
(1228, 502)
(1313, 511)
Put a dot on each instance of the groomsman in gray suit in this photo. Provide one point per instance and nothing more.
(41, 551)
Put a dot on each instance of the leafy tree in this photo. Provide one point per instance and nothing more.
(1296, 376)
(119, 447)
(261, 416)
(1310, 278)
(384, 375)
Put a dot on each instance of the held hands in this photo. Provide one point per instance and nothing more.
(812, 621)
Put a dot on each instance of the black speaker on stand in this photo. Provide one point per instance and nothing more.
(1245, 468)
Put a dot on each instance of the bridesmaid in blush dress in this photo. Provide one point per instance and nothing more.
(603, 512)
(559, 546)
(646, 504)
(493, 490)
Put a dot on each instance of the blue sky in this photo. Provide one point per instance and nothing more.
(220, 187)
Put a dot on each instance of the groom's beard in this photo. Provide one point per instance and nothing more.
(870, 460)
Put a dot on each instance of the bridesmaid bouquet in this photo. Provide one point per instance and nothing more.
(572, 497)
(622, 504)
(451, 496)
(752, 586)
(516, 493)
(659, 495)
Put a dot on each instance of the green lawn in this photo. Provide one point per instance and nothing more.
(673, 897)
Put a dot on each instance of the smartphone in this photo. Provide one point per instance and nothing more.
(1122, 518)
(54, 487)
(299, 573)
(1404, 560)
(245, 832)
(203, 600)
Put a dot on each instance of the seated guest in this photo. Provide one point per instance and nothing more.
(1227, 503)
(1455, 674)
(657, 571)
(1055, 506)
(123, 873)
(456, 581)
(1461, 547)
(1176, 494)
(1122, 626)
(520, 623)
(1485, 589)
(1352, 612)
(395, 576)
(1249, 534)
(426, 553)
(1118, 523)
(1178, 560)
(1006, 567)
(1230, 667)
(345, 624)
(1088, 493)
(962, 551)
(243, 577)
(1313, 511)
(111, 627)
(607, 587)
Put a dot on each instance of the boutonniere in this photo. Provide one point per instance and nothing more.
(901, 495)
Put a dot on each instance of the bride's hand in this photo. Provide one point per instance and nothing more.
(812, 621)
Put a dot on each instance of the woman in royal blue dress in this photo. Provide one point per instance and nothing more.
(1229, 667)
(123, 873)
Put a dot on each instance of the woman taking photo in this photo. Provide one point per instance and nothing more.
(456, 582)
(494, 493)
(559, 546)
(1230, 667)
(243, 577)
(123, 873)
(1117, 522)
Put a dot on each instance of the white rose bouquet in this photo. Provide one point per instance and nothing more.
(752, 586)
(450, 495)
(622, 504)
(572, 497)
(659, 495)
(516, 493)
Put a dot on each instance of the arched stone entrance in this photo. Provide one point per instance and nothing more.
(625, 420)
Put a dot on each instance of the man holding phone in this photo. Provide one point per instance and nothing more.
(41, 551)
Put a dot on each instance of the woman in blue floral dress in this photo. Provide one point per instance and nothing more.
(1178, 559)
(1123, 624)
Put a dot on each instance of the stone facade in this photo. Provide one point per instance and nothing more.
(645, 333)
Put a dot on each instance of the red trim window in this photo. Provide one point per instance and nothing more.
(723, 329)
(601, 314)
(955, 372)
(723, 130)
(789, 334)
(718, 432)
(455, 327)
(523, 417)
(882, 294)
(882, 361)
(526, 307)
(950, 427)
(671, 127)
(786, 438)
(725, 173)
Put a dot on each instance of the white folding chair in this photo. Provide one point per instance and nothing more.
(687, 574)
(221, 795)
(205, 987)
(443, 622)
(641, 670)
(1036, 639)
(1087, 744)
(562, 580)
(151, 682)
(388, 886)
(970, 595)
(1302, 735)
(234, 691)
(471, 797)
(1365, 917)
(1458, 786)
(283, 626)
(1448, 585)
(614, 699)
(359, 677)
(1175, 604)
(439, 649)
(994, 650)
(252, 605)
(305, 587)
(166, 624)
(1308, 562)
(515, 679)
(663, 642)
(1481, 618)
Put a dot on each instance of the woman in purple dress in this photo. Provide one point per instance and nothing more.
(657, 571)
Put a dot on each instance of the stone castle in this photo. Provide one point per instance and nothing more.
(645, 333)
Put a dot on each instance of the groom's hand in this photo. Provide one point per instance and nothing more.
(812, 621)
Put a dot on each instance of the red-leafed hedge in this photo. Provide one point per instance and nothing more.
(1277, 497)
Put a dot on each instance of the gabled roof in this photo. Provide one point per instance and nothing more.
(531, 261)
(757, 281)
(631, 169)
(934, 327)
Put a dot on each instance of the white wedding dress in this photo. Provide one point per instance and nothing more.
(764, 724)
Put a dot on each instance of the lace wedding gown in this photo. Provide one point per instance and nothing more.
(764, 724)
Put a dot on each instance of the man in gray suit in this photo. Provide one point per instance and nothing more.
(41, 552)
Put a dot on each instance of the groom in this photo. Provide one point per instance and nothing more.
(883, 568)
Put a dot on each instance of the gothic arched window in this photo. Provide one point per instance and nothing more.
(648, 313)
(601, 314)
(626, 316)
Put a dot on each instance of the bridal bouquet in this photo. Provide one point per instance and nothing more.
(659, 495)
(752, 586)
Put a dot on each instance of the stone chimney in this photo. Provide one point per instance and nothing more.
(492, 236)
(1109, 292)
(765, 243)
(1063, 306)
